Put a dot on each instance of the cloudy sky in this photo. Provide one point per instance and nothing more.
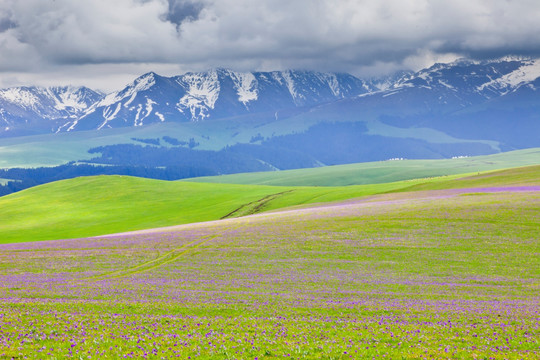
(105, 44)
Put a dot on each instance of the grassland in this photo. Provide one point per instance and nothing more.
(91, 206)
(381, 171)
(438, 274)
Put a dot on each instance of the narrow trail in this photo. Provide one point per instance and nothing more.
(167, 258)
(254, 206)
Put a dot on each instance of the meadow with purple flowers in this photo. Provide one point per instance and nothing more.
(447, 274)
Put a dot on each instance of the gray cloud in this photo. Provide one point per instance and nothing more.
(180, 11)
(340, 35)
(6, 23)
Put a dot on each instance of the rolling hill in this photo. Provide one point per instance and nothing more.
(380, 172)
(90, 206)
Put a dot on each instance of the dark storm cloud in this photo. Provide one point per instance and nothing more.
(180, 11)
(338, 35)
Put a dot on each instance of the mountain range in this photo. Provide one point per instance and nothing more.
(152, 98)
(254, 121)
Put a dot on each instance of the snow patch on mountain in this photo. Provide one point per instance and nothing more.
(127, 103)
(445, 84)
(425, 76)
(284, 78)
(20, 96)
(160, 116)
(149, 108)
(246, 86)
(109, 114)
(143, 83)
(138, 115)
(333, 83)
(202, 92)
(526, 73)
(69, 98)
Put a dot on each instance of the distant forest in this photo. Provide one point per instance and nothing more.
(322, 144)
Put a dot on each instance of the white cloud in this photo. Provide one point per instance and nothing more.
(107, 78)
(343, 35)
(94, 31)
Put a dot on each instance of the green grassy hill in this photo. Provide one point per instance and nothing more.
(100, 205)
(381, 171)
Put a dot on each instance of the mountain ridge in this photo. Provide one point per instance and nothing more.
(218, 93)
(222, 93)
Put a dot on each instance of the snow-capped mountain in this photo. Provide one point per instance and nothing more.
(214, 94)
(424, 98)
(280, 120)
(485, 79)
(29, 110)
(495, 101)
(447, 88)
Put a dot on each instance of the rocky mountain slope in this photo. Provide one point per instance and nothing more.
(34, 110)
(213, 95)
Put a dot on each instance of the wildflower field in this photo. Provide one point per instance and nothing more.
(447, 274)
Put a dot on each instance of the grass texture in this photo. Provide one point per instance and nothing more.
(431, 274)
